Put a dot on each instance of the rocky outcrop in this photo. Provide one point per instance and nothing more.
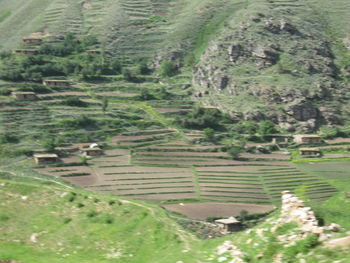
(280, 67)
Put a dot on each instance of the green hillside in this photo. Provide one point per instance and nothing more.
(128, 126)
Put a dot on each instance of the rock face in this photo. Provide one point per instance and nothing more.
(266, 64)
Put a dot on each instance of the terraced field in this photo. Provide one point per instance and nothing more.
(158, 163)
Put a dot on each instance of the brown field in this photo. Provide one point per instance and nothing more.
(165, 196)
(277, 156)
(171, 110)
(82, 180)
(238, 187)
(116, 94)
(184, 153)
(238, 199)
(66, 93)
(338, 140)
(204, 210)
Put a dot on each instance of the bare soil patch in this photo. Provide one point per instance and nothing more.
(204, 210)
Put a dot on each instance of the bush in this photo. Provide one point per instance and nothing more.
(168, 69)
(5, 92)
(91, 214)
(74, 102)
(67, 220)
(302, 246)
(8, 138)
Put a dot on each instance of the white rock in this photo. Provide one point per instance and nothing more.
(222, 259)
(24, 197)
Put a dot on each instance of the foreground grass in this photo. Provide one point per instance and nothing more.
(48, 224)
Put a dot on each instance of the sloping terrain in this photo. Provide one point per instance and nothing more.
(280, 60)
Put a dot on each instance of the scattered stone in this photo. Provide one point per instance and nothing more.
(222, 259)
(343, 243)
(24, 197)
(333, 227)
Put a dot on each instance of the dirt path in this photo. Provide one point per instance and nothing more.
(37, 178)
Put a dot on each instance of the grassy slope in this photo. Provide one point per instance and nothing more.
(70, 233)
(78, 226)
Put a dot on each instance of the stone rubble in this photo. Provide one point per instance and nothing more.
(228, 248)
(294, 210)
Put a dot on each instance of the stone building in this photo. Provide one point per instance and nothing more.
(94, 52)
(229, 225)
(31, 40)
(45, 158)
(310, 151)
(24, 95)
(27, 52)
(88, 152)
(307, 139)
(56, 83)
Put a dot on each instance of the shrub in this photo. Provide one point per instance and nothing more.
(80, 205)
(8, 138)
(74, 102)
(5, 92)
(91, 214)
(111, 202)
(168, 69)
(302, 246)
(67, 220)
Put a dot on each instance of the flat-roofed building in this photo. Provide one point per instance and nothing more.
(88, 152)
(310, 151)
(307, 139)
(31, 40)
(22, 95)
(45, 158)
(56, 83)
(230, 224)
(27, 52)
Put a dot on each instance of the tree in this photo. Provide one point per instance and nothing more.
(266, 128)
(209, 135)
(49, 144)
(243, 214)
(234, 151)
(104, 104)
(168, 69)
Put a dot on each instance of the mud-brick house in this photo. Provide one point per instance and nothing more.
(307, 139)
(24, 95)
(310, 151)
(229, 225)
(45, 158)
(89, 152)
(56, 83)
(31, 40)
(93, 52)
(27, 52)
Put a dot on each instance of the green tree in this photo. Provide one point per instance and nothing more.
(209, 135)
(168, 69)
(234, 151)
(104, 104)
(266, 128)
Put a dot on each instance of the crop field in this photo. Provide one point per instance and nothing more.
(211, 209)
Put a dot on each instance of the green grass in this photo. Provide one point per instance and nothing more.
(80, 231)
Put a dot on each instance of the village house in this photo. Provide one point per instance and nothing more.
(56, 83)
(310, 151)
(45, 158)
(94, 52)
(280, 139)
(307, 139)
(27, 52)
(31, 40)
(91, 150)
(24, 95)
(229, 225)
